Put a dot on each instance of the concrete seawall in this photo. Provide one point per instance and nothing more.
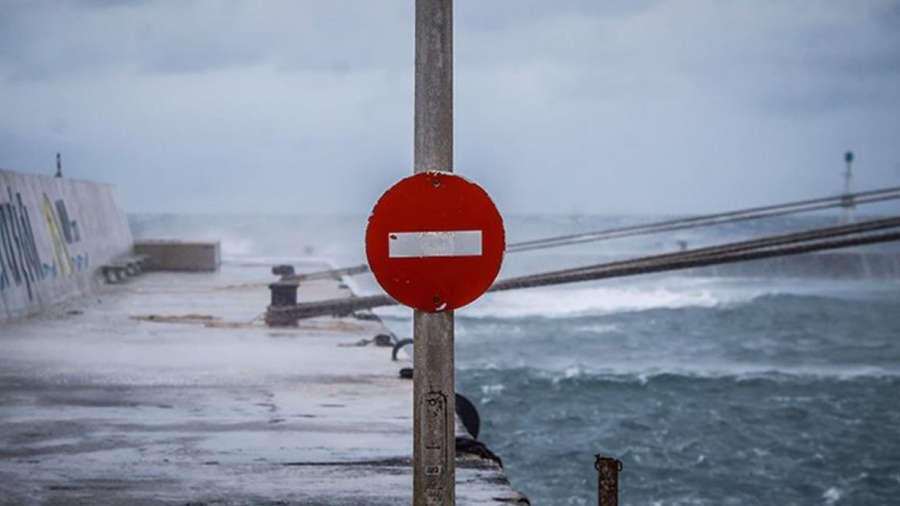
(54, 235)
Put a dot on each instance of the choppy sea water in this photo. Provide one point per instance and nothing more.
(710, 390)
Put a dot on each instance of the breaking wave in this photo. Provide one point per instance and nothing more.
(644, 373)
(598, 300)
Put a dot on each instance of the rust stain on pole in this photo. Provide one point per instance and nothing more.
(434, 437)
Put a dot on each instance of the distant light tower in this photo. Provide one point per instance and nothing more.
(847, 201)
(58, 165)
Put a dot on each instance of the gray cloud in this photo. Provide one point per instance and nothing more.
(568, 106)
(46, 39)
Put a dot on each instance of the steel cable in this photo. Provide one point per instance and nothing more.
(770, 211)
(735, 247)
(790, 244)
(767, 247)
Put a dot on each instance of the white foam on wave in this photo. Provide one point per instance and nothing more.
(302, 264)
(646, 371)
(598, 300)
(234, 246)
(395, 312)
(832, 496)
(597, 328)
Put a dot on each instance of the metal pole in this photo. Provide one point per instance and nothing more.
(434, 434)
(848, 202)
(608, 470)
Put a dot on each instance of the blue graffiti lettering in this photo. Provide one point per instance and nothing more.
(69, 227)
(20, 261)
(18, 252)
(49, 270)
(32, 259)
(80, 262)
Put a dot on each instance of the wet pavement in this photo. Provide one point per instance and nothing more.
(169, 389)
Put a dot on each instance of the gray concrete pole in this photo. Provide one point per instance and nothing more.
(434, 399)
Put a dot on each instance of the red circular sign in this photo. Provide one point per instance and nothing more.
(435, 241)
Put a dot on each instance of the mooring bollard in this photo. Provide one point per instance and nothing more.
(608, 470)
(284, 295)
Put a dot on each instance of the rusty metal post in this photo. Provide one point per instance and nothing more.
(434, 434)
(608, 470)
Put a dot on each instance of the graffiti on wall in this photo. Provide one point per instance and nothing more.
(20, 260)
(19, 256)
(60, 250)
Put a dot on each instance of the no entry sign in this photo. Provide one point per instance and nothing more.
(435, 241)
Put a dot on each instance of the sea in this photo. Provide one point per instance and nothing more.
(711, 390)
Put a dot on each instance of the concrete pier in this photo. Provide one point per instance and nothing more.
(171, 255)
(170, 390)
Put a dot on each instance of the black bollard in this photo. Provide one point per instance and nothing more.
(284, 295)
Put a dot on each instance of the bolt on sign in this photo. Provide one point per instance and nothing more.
(435, 241)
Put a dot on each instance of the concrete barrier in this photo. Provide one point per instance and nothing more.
(166, 255)
(54, 235)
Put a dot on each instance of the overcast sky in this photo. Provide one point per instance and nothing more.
(645, 106)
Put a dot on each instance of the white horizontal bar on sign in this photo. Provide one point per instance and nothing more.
(457, 243)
